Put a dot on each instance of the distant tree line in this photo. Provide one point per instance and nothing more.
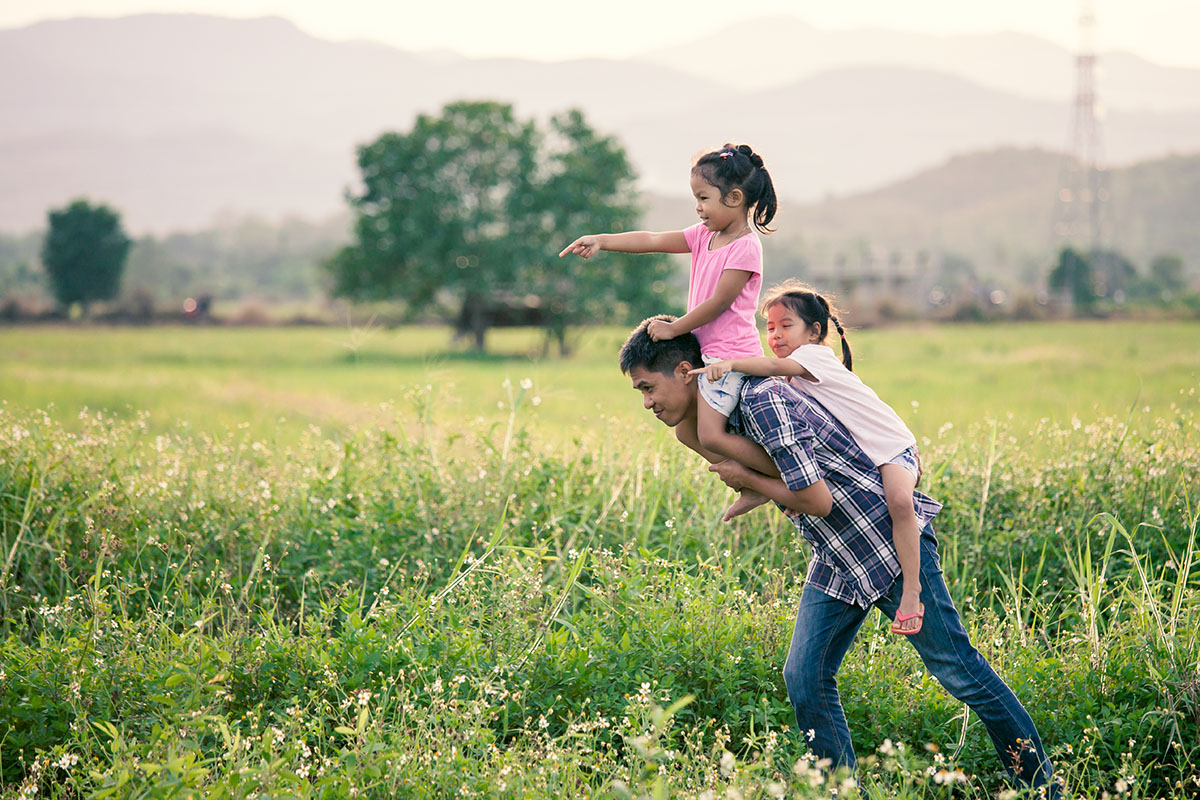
(240, 258)
(234, 260)
(459, 220)
(280, 263)
(1091, 277)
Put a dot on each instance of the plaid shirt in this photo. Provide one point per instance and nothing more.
(854, 557)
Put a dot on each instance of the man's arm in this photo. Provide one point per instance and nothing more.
(814, 499)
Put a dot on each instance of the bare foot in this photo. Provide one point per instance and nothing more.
(746, 501)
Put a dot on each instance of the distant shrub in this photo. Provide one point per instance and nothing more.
(251, 311)
(18, 308)
(1026, 308)
(967, 311)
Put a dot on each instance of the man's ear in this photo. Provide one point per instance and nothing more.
(682, 369)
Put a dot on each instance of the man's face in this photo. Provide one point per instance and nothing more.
(671, 397)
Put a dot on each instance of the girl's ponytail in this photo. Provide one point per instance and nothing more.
(760, 191)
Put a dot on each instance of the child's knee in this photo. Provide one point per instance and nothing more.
(900, 506)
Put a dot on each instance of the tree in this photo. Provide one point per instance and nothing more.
(1166, 270)
(1112, 273)
(1073, 277)
(590, 188)
(84, 253)
(1164, 280)
(471, 206)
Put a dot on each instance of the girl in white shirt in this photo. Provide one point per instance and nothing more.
(798, 321)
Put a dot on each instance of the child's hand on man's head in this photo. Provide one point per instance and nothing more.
(661, 330)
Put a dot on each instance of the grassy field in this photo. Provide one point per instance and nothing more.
(216, 378)
(402, 591)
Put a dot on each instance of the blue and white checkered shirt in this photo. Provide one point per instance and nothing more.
(854, 557)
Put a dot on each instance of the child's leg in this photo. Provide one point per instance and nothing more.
(685, 432)
(898, 487)
(712, 430)
(747, 499)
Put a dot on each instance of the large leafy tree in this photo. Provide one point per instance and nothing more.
(472, 206)
(590, 188)
(84, 253)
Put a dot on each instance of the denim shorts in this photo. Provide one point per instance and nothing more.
(909, 460)
(723, 395)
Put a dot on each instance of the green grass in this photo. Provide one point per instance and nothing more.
(450, 598)
(337, 378)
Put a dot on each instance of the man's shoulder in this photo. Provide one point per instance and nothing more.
(777, 396)
(771, 395)
(763, 390)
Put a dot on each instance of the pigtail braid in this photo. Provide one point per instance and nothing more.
(847, 356)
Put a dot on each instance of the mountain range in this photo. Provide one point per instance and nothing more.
(787, 50)
(993, 210)
(175, 119)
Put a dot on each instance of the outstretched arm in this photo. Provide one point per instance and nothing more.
(760, 366)
(631, 242)
(814, 499)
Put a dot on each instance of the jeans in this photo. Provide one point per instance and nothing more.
(825, 628)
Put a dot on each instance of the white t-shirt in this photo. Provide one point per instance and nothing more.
(878, 429)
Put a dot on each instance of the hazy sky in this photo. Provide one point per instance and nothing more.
(1160, 30)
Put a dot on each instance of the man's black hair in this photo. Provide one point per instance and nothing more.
(663, 356)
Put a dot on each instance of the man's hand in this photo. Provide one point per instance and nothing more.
(660, 330)
(814, 499)
(734, 475)
(714, 371)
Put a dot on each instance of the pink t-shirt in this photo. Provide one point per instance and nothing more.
(733, 334)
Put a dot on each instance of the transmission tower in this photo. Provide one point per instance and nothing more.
(1082, 204)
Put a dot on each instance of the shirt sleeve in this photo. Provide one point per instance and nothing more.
(818, 359)
(692, 236)
(786, 437)
(745, 254)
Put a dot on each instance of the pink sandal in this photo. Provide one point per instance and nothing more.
(918, 615)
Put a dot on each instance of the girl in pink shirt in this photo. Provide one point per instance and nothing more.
(733, 191)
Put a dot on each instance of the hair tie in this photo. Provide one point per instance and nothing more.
(838, 325)
(726, 154)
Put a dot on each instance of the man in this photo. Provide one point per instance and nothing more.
(834, 495)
